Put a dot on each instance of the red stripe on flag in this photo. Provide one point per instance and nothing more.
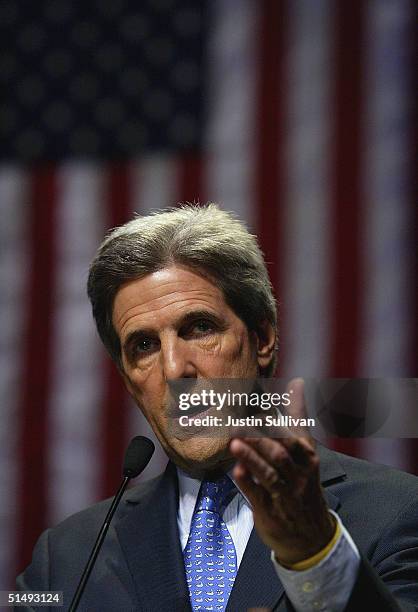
(190, 179)
(115, 401)
(37, 357)
(346, 192)
(270, 104)
(347, 189)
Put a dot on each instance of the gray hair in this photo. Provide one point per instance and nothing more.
(203, 238)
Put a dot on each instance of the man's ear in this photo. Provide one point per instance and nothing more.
(266, 342)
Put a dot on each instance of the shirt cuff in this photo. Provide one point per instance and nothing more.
(317, 557)
(327, 584)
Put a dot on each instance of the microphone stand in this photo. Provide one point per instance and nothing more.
(98, 545)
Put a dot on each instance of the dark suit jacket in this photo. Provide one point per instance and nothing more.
(141, 566)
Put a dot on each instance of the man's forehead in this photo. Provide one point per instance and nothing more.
(171, 287)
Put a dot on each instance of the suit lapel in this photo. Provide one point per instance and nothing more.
(331, 468)
(331, 472)
(256, 584)
(149, 538)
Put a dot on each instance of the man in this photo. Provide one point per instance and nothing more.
(231, 524)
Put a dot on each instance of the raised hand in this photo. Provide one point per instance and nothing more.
(280, 478)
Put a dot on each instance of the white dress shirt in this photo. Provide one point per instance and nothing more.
(326, 587)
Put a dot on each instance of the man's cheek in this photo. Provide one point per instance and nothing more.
(233, 348)
(212, 344)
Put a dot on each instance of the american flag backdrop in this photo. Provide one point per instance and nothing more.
(296, 114)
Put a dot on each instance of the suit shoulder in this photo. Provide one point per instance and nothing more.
(367, 469)
(88, 520)
(378, 482)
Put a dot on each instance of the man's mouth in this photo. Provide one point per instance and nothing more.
(201, 410)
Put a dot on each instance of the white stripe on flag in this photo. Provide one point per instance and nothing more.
(231, 100)
(387, 320)
(13, 280)
(153, 183)
(307, 272)
(76, 379)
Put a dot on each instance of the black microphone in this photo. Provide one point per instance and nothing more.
(137, 457)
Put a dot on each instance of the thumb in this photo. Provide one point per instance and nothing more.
(295, 388)
(297, 406)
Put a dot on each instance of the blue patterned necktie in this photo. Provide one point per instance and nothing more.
(210, 558)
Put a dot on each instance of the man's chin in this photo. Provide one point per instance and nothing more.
(203, 457)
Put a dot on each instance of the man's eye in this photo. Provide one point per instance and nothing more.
(144, 346)
(202, 327)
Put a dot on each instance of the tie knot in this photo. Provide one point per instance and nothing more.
(215, 495)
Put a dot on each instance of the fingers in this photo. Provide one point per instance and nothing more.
(275, 453)
(288, 454)
(302, 451)
(297, 408)
(251, 490)
(274, 465)
(268, 475)
(295, 388)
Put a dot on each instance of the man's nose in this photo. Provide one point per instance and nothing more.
(177, 359)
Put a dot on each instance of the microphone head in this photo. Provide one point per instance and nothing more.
(137, 456)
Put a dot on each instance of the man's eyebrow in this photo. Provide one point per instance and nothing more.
(195, 315)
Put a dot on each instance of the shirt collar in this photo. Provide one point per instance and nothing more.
(189, 489)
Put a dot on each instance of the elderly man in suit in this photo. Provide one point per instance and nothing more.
(232, 524)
